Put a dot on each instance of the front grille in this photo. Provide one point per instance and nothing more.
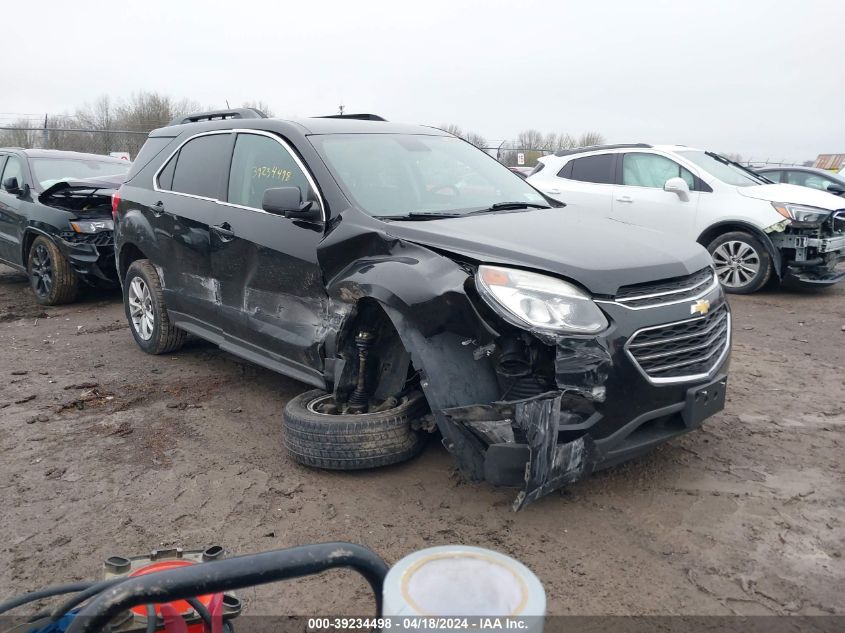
(665, 291)
(682, 350)
(102, 238)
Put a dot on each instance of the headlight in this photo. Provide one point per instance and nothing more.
(529, 299)
(801, 213)
(92, 226)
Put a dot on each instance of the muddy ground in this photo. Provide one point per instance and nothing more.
(105, 450)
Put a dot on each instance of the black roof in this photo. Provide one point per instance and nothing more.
(594, 148)
(315, 125)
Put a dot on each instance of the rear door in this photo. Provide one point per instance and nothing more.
(11, 210)
(585, 184)
(273, 300)
(182, 211)
(639, 197)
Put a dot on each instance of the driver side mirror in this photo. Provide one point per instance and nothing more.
(11, 185)
(677, 186)
(836, 189)
(287, 201)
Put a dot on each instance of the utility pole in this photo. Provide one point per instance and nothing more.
(45, 135)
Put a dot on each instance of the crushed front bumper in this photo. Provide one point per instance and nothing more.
(93, 262)
(617, 397)
(811, 258)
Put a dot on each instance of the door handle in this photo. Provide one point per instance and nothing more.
(224, 232)
(554, 192)
(158, 209)
(624, 199)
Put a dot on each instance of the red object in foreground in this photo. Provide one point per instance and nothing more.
(172, 612)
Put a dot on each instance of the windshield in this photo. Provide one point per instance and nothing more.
(48, 171)
(401, 174)
(723, 169)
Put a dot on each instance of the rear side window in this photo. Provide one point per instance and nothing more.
(774, 176)
(260, 163)
(150, 150)
(597, 169)
(201, 165)
(165, 177)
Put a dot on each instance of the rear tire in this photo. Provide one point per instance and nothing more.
(742, 262)
(146, 311)
(352, 441)
(51, 277)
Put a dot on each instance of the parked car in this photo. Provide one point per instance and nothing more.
(756, 231)
(806, 177)
(55, 219)
(522, 172)
(342, 253)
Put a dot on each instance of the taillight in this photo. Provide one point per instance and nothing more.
(115, 200)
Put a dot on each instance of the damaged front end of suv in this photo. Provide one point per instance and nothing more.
(811, 242)
(535, 379)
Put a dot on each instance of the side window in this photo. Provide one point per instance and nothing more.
(809, 180)
(165, 176)
(774, 176)
(201, 165)
(13, 169)
(566, 170)
(652, 170)
(262, 163)
(598, 169)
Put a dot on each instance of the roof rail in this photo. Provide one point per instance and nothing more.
(363, 117)
(592, 148)
(219, 115)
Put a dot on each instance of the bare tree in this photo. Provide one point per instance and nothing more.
(590, 138)
(453, 129)
(18, 137)
(530, 140)
(476, 139)
(261, 106)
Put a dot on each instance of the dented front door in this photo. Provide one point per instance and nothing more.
(272, 297)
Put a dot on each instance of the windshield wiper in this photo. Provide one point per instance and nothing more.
(422, 215)
(511, 206)
(733, 163)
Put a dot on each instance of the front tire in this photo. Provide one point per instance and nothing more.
(146, 311)
(742, 262)
(354, 441)
(51, 277)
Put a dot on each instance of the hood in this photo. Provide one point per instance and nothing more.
(597, 253)
(109, 182)
(793, 194)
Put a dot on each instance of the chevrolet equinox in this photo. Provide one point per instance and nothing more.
(418, 285)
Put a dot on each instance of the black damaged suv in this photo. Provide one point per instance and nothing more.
(399, 270)
(55, 219)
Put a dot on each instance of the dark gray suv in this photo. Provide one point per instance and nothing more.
(418, 285)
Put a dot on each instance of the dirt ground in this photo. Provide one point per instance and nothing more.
(105, 450)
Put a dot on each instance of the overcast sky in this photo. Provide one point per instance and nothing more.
(764, 79)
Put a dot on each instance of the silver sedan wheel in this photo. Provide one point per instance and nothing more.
(141, 308)
(737, 263)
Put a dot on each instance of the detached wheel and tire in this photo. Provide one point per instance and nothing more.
(337, 441)
(50, 275)
(742, 262)
(147, 312)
